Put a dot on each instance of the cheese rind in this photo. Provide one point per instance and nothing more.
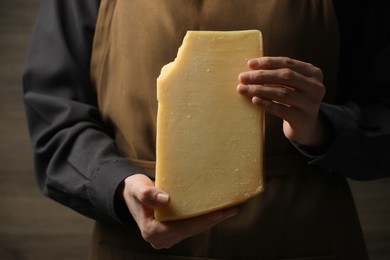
(209, 138)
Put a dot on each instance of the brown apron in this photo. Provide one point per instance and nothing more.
(305, 212)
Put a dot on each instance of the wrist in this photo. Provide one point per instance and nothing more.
(120, 205)
(318, 138)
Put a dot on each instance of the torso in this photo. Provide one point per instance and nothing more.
(295, 216)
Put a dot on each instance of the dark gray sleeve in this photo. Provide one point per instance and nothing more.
(361, 115)
(76, 161)
(361, 148)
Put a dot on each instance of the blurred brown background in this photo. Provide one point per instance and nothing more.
(34, 227)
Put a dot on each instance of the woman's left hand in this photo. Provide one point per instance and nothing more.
(290, 89)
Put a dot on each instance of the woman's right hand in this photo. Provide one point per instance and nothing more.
(141, 197)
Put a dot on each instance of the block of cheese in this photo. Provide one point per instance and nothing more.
(209, 138)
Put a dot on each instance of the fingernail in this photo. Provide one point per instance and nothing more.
(242, 89)
(253, 64)
(243, 77)
(257, 101)
(162, 198)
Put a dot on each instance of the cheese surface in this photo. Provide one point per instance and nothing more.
(209, 138)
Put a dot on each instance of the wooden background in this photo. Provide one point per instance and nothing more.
(34, 227)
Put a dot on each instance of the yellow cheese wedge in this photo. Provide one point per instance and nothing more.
(209, 138)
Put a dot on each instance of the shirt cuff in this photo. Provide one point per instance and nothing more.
(107, 178)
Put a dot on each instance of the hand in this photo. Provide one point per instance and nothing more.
(141, 197)
(290, 89)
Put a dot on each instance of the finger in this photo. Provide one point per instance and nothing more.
(194, 226)
(279, 94)
(285, 77)
(166, 234)
(287, 113)
(270, 63)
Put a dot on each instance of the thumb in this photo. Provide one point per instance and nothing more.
(162, 198)
(143, 189)
(153, 197)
